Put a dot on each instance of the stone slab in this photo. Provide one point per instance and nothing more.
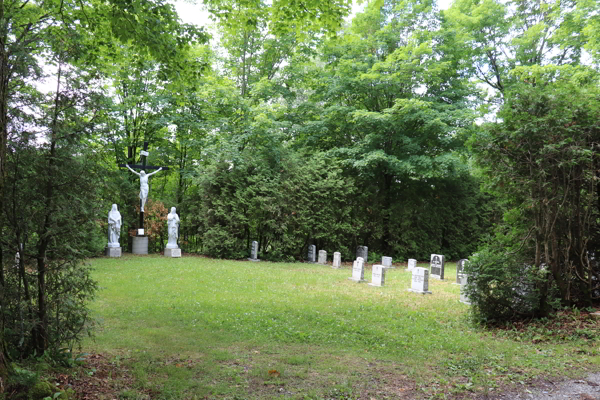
(378, 275)
(140, 245)
(172, 252)
(412, 264)
(436, 266)
(113, 252)
(337, 259)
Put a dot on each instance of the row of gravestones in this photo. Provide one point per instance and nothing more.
(420, 276)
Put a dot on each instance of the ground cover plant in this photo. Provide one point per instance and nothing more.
(218, 329)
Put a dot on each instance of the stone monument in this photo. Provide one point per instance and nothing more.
(312, 253)
(362, 252)
(254, 251)
(412, 264)
(140, 241)
(463, 293)
(437, 266)
(378, 275)
(386, 262)
(420, 281)
(322, 257)
(460, 268)
(113, 249)
(172, 249)
(358, 271)
(337, 260)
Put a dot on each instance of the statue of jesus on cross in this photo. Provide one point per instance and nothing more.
(144, 187)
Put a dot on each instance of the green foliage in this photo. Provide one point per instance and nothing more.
(502, 286)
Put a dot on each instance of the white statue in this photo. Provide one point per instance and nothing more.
(114, 227)
(143, 184)
(173, 229)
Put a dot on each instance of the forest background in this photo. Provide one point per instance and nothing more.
(409, 130)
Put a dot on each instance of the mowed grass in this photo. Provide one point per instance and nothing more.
(196, 327)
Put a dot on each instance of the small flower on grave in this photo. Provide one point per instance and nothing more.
(274, 372)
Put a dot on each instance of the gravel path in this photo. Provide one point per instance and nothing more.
(575, 389)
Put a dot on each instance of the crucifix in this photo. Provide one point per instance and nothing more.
(144, 188)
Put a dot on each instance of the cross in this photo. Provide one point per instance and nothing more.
(143, 167)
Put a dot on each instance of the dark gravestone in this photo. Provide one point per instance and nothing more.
(437, 266)
(460, 269)
(363, 252)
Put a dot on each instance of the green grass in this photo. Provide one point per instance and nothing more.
(202, 328)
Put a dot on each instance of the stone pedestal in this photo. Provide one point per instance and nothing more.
(172, 252)
(113, 252)
(140, 245)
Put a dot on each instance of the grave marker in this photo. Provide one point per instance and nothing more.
(460, 268)
(254, 251)
(358, 270)
(312, 253)
(420, 281)
(437, 266)
(322, 257)
(463, 285)
(362, 252)
(412, 264)
(386, 262)
(337, 259)
(378, 275)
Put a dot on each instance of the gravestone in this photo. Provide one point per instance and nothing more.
(378, 275)
(437, 266)
(420, 281)
(337, 259)
(412, 264)
(463, 294)
(386, 262)
(460, 268)
(254, 251)
(358, 270)
(312, 253)
(322, 257)
(362, 252)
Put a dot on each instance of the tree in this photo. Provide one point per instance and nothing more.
(541, 159)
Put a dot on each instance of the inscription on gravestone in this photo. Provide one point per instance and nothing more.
(322, 257)
(362, 252)
(378, 275)
(358, 270)
(312, 253)
(337, 259)
(437, 266)
(420, 281)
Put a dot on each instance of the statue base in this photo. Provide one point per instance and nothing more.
(172, 252)
(113, 252)
(140, 245)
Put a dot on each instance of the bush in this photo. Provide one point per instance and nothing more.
(503, 286)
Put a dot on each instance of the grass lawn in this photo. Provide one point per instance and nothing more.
(199, 328)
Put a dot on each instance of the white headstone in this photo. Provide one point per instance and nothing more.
(322, 257)
(437, 266)
(378, 275)
(362, 252)
(463, 294)
(337, 259)
(420, 281)
(312, 253)
(358, 270)
(412, 264)
(386, 262)
(460, 268)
